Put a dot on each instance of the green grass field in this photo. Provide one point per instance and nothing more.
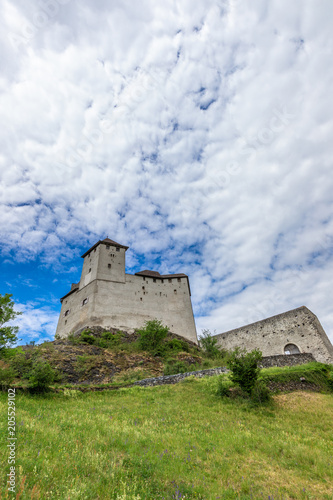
(170, 442)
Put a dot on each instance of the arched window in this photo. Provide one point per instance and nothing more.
(291, 349)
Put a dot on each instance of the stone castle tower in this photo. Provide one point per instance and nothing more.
(106, 296)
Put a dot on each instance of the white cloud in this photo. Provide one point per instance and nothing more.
(197, 131)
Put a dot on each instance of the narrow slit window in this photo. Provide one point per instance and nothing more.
(109, 266)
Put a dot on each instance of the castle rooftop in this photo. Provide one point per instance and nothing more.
(106, 241)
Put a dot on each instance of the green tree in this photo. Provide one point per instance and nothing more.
(152, 335)
(41, 376)
(7, 333)
(244, 368)
(209, 345)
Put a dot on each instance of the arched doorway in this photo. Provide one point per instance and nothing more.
(291, 349)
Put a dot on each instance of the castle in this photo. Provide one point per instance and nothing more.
(106, 296)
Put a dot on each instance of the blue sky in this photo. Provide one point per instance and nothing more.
(198, 133)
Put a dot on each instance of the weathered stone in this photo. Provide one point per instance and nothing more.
(299, 328)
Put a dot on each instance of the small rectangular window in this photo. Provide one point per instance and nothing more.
(109, 266)
(169, 280)
(175, 291)
(143, 288)
(107, 247)
(154, 280)
(117, 249)
(178, 279)
(162, 280)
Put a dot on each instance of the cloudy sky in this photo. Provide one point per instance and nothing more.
(197, 132)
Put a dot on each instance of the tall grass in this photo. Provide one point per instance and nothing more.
(171, 442)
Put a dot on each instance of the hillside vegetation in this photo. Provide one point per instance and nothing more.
(97, 357)
(171, 442)
(219, 437)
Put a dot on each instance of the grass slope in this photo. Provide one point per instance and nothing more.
(171, 442)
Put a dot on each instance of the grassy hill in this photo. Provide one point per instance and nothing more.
(171, 442)
(177, 442)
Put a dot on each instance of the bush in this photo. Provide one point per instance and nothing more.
(244, 368)
(22, 365)
(110, 339)
(41, 376)
(152, 335)
(131, 376)
(177, 345)
(223, 387)
(260, 392)
(87, 338)
(7, 376)
(173, 367)
(209, 345)
(330, 380)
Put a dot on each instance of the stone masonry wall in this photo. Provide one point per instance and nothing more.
(289, 360)
(298, 326)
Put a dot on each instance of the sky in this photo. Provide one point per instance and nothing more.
(196, 132)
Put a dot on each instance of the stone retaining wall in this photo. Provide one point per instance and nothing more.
(173, 379)
(286, 360)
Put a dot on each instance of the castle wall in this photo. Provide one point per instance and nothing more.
(299, 327)
(128, 305)
(104, 262)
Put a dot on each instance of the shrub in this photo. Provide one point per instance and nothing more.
(173, 367)
(110, 339)
(7, 376)
(209, 345)
(132, 376)
(41, 376)
(21, 364)
(244, 368)
(73, 339)
(330, 380)
(260, 392)
(223, 387)
(177, 345)
(87, 338)
(152, 335)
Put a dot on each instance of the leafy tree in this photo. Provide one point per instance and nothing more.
(7, 333)
(244, 368)
(152, 335)
(7, 376)
(209, 345)
(41, 376)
